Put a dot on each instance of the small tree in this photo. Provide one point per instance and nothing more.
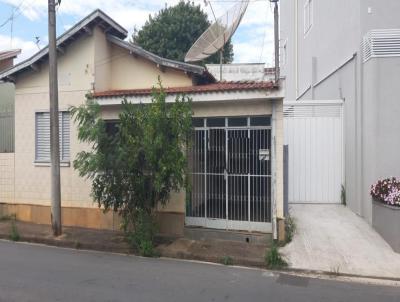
(135, 166)
(173, 30)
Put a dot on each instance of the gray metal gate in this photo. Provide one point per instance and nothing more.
(230, 174)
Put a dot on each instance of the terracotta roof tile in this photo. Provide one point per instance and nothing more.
(215, 87)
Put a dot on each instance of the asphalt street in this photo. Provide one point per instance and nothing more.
(40, 273)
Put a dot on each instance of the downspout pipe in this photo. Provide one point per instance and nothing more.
(273, 174)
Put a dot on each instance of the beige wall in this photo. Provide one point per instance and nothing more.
(6, 177)
(130, 72)
(76, 75)
(237, 108)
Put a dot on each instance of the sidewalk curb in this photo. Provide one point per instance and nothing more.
(332, 274)
(69, 244)
(185, 256)
(236, 261)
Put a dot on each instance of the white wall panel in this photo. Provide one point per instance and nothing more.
(314, 134)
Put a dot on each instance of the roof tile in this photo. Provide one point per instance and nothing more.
(215, 87)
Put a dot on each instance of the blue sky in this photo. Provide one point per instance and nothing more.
(253, 41)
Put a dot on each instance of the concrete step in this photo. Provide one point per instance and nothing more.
(198, 233)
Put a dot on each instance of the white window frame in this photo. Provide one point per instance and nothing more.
(308, 16)
(65, 137)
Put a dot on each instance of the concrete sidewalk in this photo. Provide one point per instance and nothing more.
(332, 238)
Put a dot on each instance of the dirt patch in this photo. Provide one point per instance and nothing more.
(239, 253)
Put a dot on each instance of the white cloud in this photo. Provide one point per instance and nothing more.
(248, 40)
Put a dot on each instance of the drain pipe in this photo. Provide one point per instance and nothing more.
(273, 173)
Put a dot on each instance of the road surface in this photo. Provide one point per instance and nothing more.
(40, 273)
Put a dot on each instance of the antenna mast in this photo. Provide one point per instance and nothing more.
(276, 37)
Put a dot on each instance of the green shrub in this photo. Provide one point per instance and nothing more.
(140, 231)
(14, 234)
(273, 258)
(227, 260)
(135, 163)
(290, 228)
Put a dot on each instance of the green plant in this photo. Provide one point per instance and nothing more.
(14, 234)
(273, 258)
(227, 260)
(135, 163)
(140, 231)
(290, 228)
(173, 30)
(77, 244)
(343, 195)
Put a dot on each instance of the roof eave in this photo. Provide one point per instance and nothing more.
(67, 37)
(157, 59)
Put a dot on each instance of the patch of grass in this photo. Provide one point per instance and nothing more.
(273, 258)
(227, 260)
(14, 234)
(290, 228)
(77, 244)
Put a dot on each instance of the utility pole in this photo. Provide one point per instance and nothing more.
(276, 36)
(54, 123)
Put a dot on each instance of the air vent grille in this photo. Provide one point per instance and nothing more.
(306, 111)
(381, 43)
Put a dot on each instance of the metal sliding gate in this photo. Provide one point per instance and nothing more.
(231, 175)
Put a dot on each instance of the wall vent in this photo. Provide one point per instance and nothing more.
(381, 43)
(300, 110)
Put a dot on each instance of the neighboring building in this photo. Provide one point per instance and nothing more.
(234, 121)
(349, 50)
(7, 58)
(7, 103)
(242, 72)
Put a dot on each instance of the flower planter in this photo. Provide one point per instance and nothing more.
(386, 221)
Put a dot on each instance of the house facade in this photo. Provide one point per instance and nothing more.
(229, 118)
(349, 50)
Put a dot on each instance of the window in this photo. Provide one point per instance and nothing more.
(42, 143)
(112, 127)
(198, 122)
(237, 121)
(260, 121)
(308, 15)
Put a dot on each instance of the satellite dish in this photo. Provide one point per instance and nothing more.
(215, 37)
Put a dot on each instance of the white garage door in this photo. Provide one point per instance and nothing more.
(314, 135)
